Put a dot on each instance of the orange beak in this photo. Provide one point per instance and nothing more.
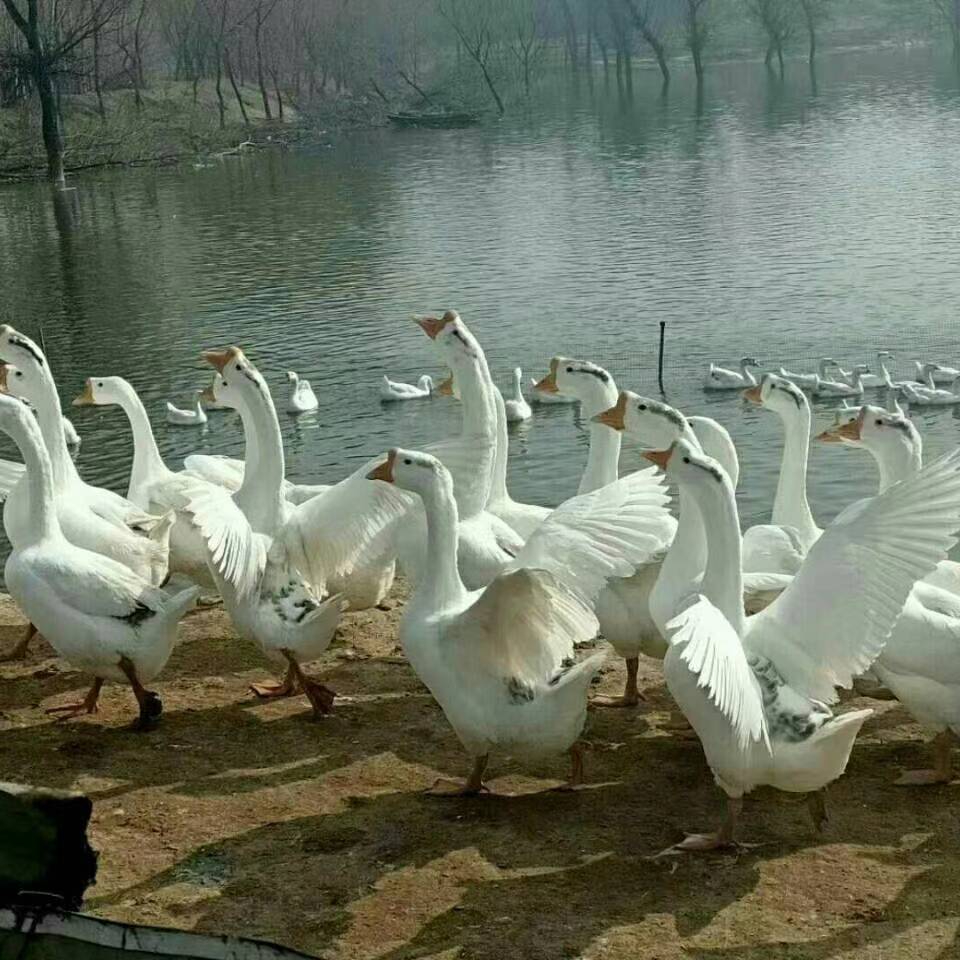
(549, 383)
(849, 431)
(614, 416)
(207, 395)
(445, 389)
(433, 325)
(3, 378)
(384, 471)
(660, 457)
(85, 399)
(753, 395)
(220, 358)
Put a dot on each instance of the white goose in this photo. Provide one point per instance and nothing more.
(393, 390)
(839, 388)
(196, 416)
(719, 378)
(756, 690)
(153, 486)
(881, 379)
(940, 373)
(70, 433)
(500, 660)
(928, 394)
(328, 538)
(808, 381)
(96, 613)
(302, 399)
(275, 564)
(781, 545)
(548, 399)
(517, 408)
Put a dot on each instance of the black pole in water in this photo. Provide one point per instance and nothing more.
(663, 329)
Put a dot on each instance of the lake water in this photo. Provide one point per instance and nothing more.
(785, 220)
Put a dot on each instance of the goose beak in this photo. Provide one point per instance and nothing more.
(85, 399)
(613, 417)
(207, 395)
(445, 388)
(431, 325)
(549, 383)
(3, 378)
(220, 358)
(660, 457)
(753, 395)
(384, 471)
(849, 431)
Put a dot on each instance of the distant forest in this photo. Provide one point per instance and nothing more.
(269, 61)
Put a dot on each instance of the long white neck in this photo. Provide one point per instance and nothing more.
(148, 465)
(790, 505)
(517, 391)
(42, 515)
(441, 586)
(685, 560)
(476, 396)
(899, 461)
(603, 458)
(50, 417)
(498, 489)
(930, 382)
(260, 496)
(748, 374)
(722, 580)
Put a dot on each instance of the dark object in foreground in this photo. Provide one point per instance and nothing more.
(29, 934)
(44, 849)
(407, 118)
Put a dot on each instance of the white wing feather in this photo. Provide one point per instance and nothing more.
(831, 623)
(469, 458)
(712, 651)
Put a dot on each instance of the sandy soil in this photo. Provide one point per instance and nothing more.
(242, 816)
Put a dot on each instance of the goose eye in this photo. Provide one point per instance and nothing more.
(239, 368)
(642, 406)
(569, 369)
(19, 373)
(223, 383)
(408, 462)
(686, 459)
(99, 383)
(879, 423)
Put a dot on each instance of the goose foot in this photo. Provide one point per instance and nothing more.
(942, 771)
(679, 725)
(287, 688)
(575, 780)
(320, 697)
(454, 788)
(19, 652)
(151, 706)
(723, 839)
(89, 704)
(817, 805)
(631, 695)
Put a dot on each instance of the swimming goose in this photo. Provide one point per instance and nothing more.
(548, 398)
(196, 416)
(719, 378)
(781, 545)
(153, 486)
(393, 390)
(302, 399)
(838, 388)
(95, 612)
(881, 379)
(937, 372)
(756, 690)
(928, 394)
(500, 660)
(808, 381)
(517, 407)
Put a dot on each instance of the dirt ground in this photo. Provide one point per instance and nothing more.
(246, 817)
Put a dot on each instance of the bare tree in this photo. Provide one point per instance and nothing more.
(261, 11)
(949, 11)
(570, 34)
(52, 34)
(525, 35)
(776, 19)
(474, 22)
(650, 20)
(814, 13)
(693, 13)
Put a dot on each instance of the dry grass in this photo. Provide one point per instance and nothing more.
(247, 817)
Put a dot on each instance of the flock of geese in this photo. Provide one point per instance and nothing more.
(757, 631)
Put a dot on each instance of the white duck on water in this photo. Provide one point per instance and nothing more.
(302, 399)
(517, 408)
(756, 690)
(719, 378)
(97, 614)
(392, 391)
(196, 416)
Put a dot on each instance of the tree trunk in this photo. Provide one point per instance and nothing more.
(49, 119)
(221, 103)
(101, 109)
(628, 68)
(768, 59)
(276, 90)
(697, 62)
(258, 48)
(780, 58)
(491, 87)
(236, 89)
(570, 29)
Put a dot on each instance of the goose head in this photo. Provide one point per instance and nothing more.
(878, 430)
(653, 424)
(777, 394)
(416, 472)
(20, 349)
(293, 377)
(426, 383)
(586, 381)
(25, 384)
(689, 468)
(220, 392)
(239, 378)
(452, 336)
(101, 392)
